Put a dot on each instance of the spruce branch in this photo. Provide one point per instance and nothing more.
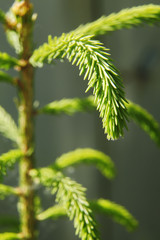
(116, 211)
(8, 127)
(135, 112)
(92, 58)
(54, 213)
(145, 120)
(87, 156)
(126, 18)
(71, 196)
(7, 160)
(68, 106)
(7, 62)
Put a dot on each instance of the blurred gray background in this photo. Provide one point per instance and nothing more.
(136, 54)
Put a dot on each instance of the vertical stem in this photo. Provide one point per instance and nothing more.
(23, 11)
(27, 162)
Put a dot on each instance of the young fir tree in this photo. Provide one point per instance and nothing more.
(94, 63)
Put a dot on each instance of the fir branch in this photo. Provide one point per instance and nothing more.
(71, 196)
(69, 106)
(7, 62)
(87, 156)
(8, 127)
(116, 211)
(145, 120)
(135, 112)
(93, 60)
(6, 191)
(53, 212)
(126, 18)
(10, 236)
(7, 160)
(4, 77)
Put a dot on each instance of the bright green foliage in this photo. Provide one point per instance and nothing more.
(87, 156)
(69, 106)
(117, 212)
(71, 196)
(53, 212)
(145, 120)
(126, 18)
(94, 63)
(4, 77)
(8, 127)
(7, 160)
(7, 62)
(2, 16)
(135, 112)
(10, 236)
(6, 191)
(92, 59)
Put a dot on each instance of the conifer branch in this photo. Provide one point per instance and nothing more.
(71, 196)
(135, 112)
(7, 160)
(116, 211)
(54, 213)
(8, 127)
(92, 59)
(145, 120)
(87, 156)
(126, 18)
(68, 106)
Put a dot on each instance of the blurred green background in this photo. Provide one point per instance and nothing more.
(136, 54)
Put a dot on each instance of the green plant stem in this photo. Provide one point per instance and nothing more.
(27, 213)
